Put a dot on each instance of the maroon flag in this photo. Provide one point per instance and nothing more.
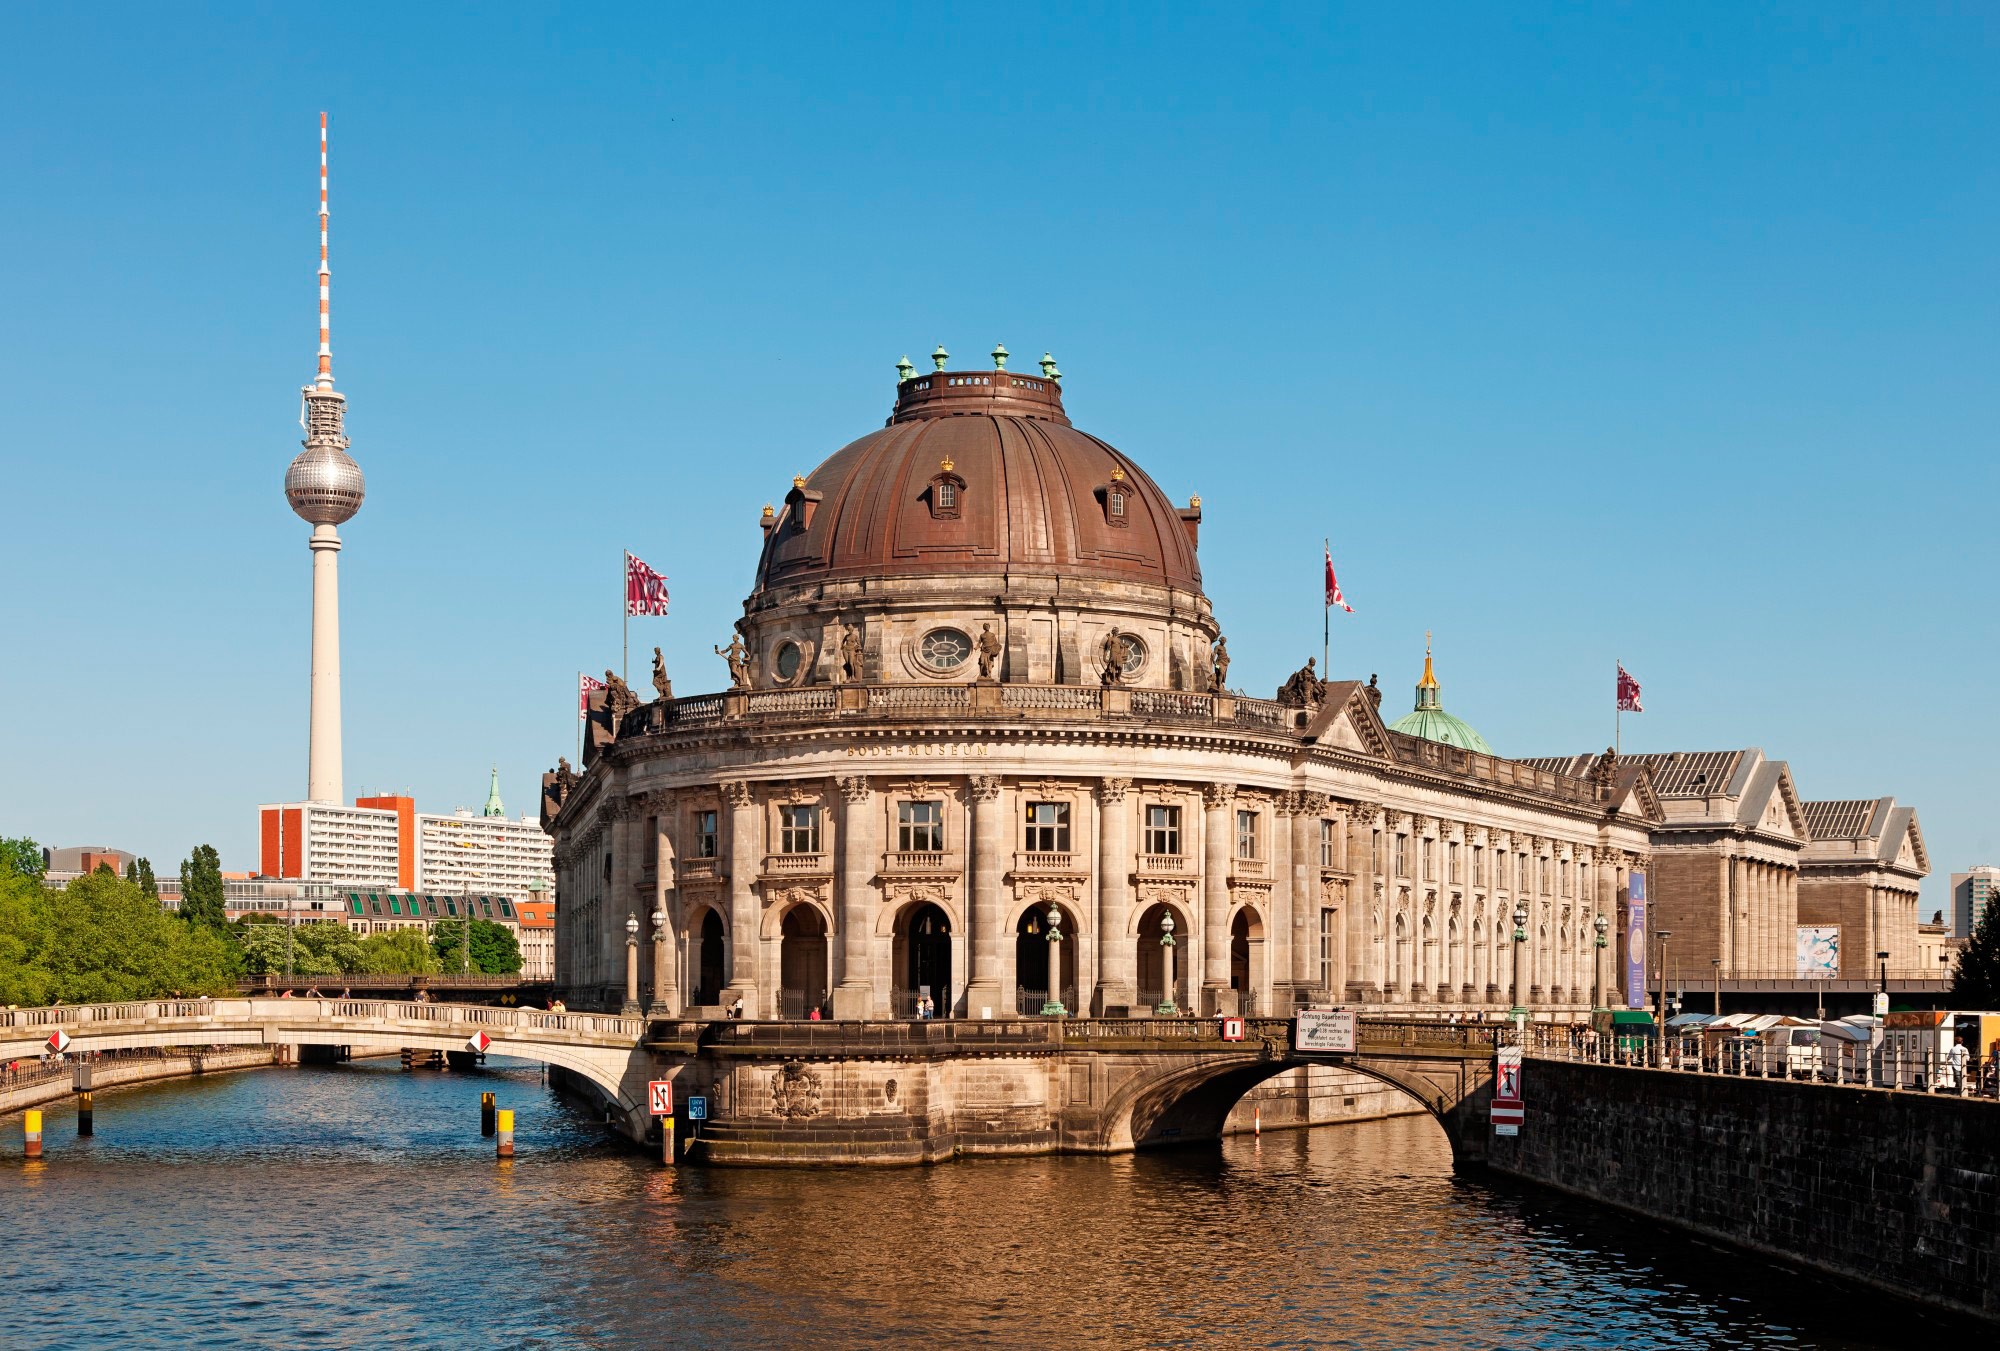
(645, 590)
(1628, 692)
(1333, 596)
(584, 685)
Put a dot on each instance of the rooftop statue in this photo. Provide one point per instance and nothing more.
(661, 685)
(739, 662)
(850, 652)
(1116, 654)
(1304, 689)
(1219, 661)
(989, 651)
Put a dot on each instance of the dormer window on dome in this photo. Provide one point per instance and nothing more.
(945, 492)
(1116, 496)
(801, 504)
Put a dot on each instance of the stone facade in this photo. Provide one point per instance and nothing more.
(1862, 870)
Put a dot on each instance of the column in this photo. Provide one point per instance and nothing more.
(1275, 974)
(1217, 799)
(740, 806)
(1532, 980)
(1765, 920)
(858, 847)
(1739, 916)
(1117, 957)
(987, 865)
(1722, 945)
(1308, 810)
(1360, 899)
(666, 970)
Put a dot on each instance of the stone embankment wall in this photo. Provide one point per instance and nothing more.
(112, 1073)
(1897, 1190)
(1318, 1096)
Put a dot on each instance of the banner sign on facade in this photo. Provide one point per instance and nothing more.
(1635, 943)
(1327, 1030)
(1818, 951)
(1507, 1111)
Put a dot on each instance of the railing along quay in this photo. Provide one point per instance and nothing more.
(1882, 1066)
(199, 1013)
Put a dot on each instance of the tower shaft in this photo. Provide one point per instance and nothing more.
(323, 749)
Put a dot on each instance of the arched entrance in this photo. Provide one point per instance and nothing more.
(1032, 991)
(708, 965)
(922, 961)
(1154, 989)
(1246, 960)
(801, 962)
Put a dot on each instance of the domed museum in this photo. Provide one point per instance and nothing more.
(980, 755)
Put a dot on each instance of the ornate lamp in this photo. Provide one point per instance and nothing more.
(1519, 1013)
(631, 1008)
(1167, 1008)
(1053, 1007)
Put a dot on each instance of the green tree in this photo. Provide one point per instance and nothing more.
(494, 950)
(100, 939)
(398, 952)
(147, 882)
(201, 888)
(316, 949)
(1975, 977)
(21, 857)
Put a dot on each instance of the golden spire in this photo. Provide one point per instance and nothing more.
(1430, 680)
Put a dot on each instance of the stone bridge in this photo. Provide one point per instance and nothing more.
(602, 1049)
(847, 1092)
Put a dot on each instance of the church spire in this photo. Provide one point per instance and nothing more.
(1427, 688)
(493, 807)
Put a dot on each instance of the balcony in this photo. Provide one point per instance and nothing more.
(1257, 869)
(905, 862)
(1038, 861)
(696, 870)
(1165, 865)
(796, 865)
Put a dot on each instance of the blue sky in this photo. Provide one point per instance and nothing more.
(1660, 333)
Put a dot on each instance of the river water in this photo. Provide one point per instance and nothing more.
(358, 1206)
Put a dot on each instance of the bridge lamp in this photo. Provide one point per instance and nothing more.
(661, 973)
(1166, 1008)
(1053, 1007)
(1519, 1013)
(631, 1008)
(1603, 927)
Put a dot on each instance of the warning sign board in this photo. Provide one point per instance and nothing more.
(1232, 1029)
(479, 1041)
(59, 1041)
(1507, 1112)
(1324, 1030)
(660, 1097)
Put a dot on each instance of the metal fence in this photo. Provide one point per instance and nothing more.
(1884, 1065)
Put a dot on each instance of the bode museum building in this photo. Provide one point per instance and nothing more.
(980, 756)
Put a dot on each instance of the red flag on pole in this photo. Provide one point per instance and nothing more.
(1333, 596)
(645, 590)
(584, 685)
(1628, 692)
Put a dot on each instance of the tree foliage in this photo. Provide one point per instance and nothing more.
(201, 888)
(21, 857)
(494, 950)
(102, 939)
(1975, 977)
(398, 952)
(316, 949)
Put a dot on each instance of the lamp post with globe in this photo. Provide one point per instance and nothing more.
(631, 1008)
(1053, 1008)
(1167, 1008)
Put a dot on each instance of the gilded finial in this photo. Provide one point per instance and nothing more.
(1430, 680)
(798, 480)
(939, 357)
(904, 370)
(1194, 503)
(1117, 475)
(999, 356)
(945, 464)
(768, 512)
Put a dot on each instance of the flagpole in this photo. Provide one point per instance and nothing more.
(1617, 711)
(1325, 621)
(579, 717)
(625, 608)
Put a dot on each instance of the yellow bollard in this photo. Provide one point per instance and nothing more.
(667, 1154)
(31, 1124)
(505, 1148)
(1257, 1122)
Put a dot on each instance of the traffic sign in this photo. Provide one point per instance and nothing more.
(697, 1108)
(1330, 1030)
(59, 1041)
(1232, 1029)
(660, 1097)
(479, 1041)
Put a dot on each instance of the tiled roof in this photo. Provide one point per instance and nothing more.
(1675, 773)
(1839, 820)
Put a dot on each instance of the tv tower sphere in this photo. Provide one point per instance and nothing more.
(324, 484)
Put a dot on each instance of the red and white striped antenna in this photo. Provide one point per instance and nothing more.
(325, 377)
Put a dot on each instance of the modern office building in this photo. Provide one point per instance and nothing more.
(487, 852)
(1971, 892)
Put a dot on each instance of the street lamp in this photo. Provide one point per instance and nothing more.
(1882, 995)
(1053, 1007)
(1603, 927)
(1166, 1008)
(661, 973)
(631, 965)
(1716, 962)
(1661, 1001)
(1519, 1013)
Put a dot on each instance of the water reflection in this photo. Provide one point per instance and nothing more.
(358, 1206)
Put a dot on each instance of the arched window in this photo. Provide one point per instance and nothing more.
(945, 492)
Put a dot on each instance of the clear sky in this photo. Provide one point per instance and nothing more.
(1664, 333)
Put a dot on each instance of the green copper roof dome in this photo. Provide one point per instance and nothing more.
(493, 807)
(1432, 723)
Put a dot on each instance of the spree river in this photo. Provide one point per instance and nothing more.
(358, 1206)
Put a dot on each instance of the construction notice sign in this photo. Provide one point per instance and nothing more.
(660, 1097)
(1507, 1112)
(479, 1041)
(1330, 1030)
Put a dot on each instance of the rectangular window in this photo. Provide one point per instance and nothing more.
(1562, 874)
(1326, 844)
(920, 827)
(485, 907)
(1246, 834)
(451, 907)
(1402, 855)
(798, 828)
(395, 906)
(1048, 827)
(374, 904)
(1163, 830)
(1451, 863)
(357, 905)
(704, 834)
(1427, 849)
(652, 847)
(506, 910)
(1478, 865)
(1327, 920)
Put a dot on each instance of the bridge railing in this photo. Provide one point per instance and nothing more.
(1855, 1065)
(198, 1013)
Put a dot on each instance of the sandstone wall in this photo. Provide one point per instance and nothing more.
(1318, 1097)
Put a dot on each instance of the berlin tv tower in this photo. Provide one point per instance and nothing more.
(324, 486)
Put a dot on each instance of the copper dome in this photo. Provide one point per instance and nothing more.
(979, 472)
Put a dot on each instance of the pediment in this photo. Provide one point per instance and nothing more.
(1349, 722)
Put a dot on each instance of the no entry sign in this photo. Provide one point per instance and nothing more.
(479, 1041)
(660, 1097)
